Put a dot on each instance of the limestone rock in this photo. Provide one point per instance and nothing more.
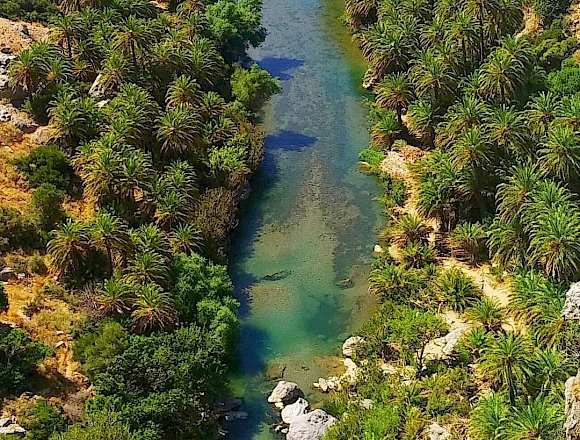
(43, 135)
(367, 404)
(572, 409)
(350, 344)
(437, 432)
(378, 251)
(9, 427)
(98, 89)
(24, 123)
(322, 384)
(571, 308)
(5, 421)
(351, 371)
(290, 412)
(346, 284)
(310, 426)
(285, 393)
(7, 274)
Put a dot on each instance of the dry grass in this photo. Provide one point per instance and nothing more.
(573, 20)
(13, 37)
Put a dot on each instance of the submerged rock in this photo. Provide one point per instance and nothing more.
(290, 412)
(349, 345)
(310, 426)
(285, 393)
(275, 371)
(277, 275)
(571, 308)
(346, 284)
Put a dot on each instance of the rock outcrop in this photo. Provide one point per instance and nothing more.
(571, 308)
(285, 393)
(310, 426)
(9, 427)
(98, 89)
(572, 409)
(349, 345)
(438, 432)
(298, 408)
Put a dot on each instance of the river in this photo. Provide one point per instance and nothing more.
(311, 220)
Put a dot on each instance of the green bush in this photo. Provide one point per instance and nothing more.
(17, 231)
(371, 156)
(29, 10)
(48, 165)
(253, 87)
(42, 420)
(565, 81)
(19, 356)
(37, 265)
(47, 202)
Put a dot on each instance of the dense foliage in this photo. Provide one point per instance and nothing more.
(492, 111)
(151, 110)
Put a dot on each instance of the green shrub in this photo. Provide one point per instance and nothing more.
(566, 81)
(19, 356)
(42, 420)
(47, 202)
(37, 265)
(253, 87)
(29, 10)
(17, 231)
(48, 165)
(371, 156)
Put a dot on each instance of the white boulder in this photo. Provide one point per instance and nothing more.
(349, 345)
(571, 308)
(285, 393)
(310, 426)
(290, 412)
(438, 432)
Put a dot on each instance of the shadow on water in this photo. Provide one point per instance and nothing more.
(289, 141)
(278, 67)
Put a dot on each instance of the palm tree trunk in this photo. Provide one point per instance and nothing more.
(69, 46)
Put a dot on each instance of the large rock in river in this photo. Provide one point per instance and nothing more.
(310, 426)
(290, 412)
(285, 393)
(571, 308)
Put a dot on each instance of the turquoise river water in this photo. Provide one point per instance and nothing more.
(311, 220)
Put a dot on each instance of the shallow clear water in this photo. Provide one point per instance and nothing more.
(311, 218)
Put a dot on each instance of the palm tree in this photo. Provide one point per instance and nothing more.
(514, 195)
(115, 71)
(147, 267)
(386, 49)
(183, 90)
(507, 130)
(30, 66)
(537, 420)
(508, 243)
(555, 242)
(559, 154)
(149, 238)
(185, 238)
(488, 312)
(500, 76)
(63, 31)
(456, 289)
(472, 150)
(409, 228)
(204, 62)
(109, 233)
(468, 240)
(179, 129)
(133, 37)
(432, 76)
(68, 248)
(551, 368)
(484, 11)
(506, 362)
(421, 121)
(394, 93)
(467, 113)
(153, 309)
(463, 32)
(114, 297)
(172, 209)
(489, 417)
(434, 32)
(541, 111)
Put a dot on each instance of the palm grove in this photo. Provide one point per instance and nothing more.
(151, 112)
(496, 112)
